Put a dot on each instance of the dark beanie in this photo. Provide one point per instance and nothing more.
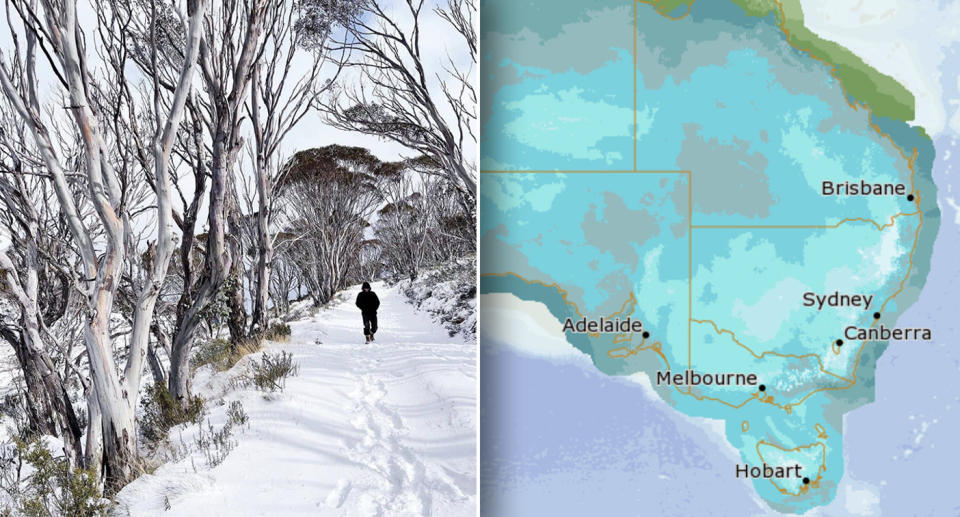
(366, 285)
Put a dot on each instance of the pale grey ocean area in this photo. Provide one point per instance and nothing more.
(904, 446)
(565, 440)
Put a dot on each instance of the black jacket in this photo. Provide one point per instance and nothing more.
(368, 302)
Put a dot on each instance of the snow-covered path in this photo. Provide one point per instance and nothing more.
(381, 429)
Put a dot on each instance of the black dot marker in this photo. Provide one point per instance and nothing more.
(646, 334)
(763, 388)
(910, 197)
(839, 342)
(876, 315)
(806, 481)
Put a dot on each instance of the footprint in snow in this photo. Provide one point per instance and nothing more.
(338, 495)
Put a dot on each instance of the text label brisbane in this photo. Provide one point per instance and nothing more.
(861, 188)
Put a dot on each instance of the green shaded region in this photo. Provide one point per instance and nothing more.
(756, 7)
(885, 96)
(881, 93)
(671, 8)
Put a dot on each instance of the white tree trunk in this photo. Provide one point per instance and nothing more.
(103, 264)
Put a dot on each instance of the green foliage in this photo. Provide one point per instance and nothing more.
(215, 352)
(222, 354)
(161, 412)
(53, 489)
(317, 19)
(218, 310)
(277, 332)
(271, 372)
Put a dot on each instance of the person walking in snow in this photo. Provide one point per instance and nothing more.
(368, 303)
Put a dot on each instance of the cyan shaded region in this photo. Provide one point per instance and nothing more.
(759, 125)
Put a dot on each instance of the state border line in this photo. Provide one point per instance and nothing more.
(689, 248)
(636, 70)
(691, 320)
(657, 346)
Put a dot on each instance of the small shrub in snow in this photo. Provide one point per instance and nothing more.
(215, 444)
(223, 354)
(52, 488)
(236, 415)
(161, 412)
(277, 332)
(271, 372)
(244, 348)
(215, 352)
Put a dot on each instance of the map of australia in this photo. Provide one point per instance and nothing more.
(710, 195)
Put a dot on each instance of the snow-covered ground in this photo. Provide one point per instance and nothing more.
(449, 293)
(382, 429)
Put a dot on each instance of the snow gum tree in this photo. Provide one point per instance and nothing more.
(279, 100)
(53, 29)
(398, 96)
(329, 195)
